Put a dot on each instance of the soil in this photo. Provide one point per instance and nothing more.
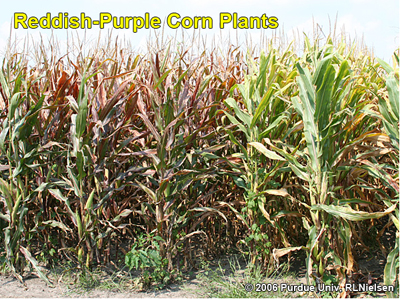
(36, 288)
(193, 286)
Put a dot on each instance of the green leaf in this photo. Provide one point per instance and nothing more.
(57, 194)
(75, 182)
(240, 182)
(7, 192)
(240, 125)
(82, 107)
(261, 107)
(123, 214)
(14, 103)
(35, 265)
(392, 266)
(54, 223)
(148, 191)
(89, 203)
(385, 65)
(162, 78)
(81, 117)
(324, 98)
(235, 141)
(266, 152)
(242, 115)
(307, 99)
(393, 90)
(350, 214)
(80, 164)
(4, 84)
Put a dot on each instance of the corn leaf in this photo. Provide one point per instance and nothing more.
(266, 152)
(350, 214)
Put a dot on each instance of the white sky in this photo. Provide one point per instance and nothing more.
(377, 23)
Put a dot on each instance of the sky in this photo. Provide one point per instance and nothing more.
(377, 25)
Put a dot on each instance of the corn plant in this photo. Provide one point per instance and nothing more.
(170, 123)
(324, 104)
(384, 172)
(17, 174)
(258, 168)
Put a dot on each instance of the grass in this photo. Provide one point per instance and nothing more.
(222, 279)
(85, 281)
(228, 278)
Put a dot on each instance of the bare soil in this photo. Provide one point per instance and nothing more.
(37, 288)
(192, 286)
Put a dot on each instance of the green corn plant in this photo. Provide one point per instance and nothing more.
(324, 103)
(82, 214)
(262, 115)
(391, 121)
(17, 175)
(389, 114)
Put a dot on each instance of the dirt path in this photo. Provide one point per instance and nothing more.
(202, 283)
(36, 288)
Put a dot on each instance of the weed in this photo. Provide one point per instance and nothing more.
(145, 256)
(229, 280)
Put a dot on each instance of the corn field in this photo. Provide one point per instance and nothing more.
(267, 153)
